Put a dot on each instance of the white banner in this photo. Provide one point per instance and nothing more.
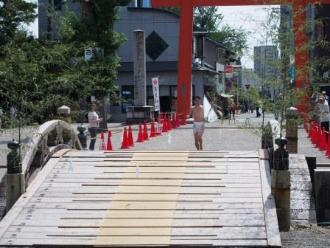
(155, 89)
(209, 113)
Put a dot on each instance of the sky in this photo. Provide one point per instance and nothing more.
(249, 18)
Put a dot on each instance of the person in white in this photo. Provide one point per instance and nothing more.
(326, 102)
(1, 113)
(197, 112)
(324, 114)
(94, 123)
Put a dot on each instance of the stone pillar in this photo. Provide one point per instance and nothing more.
(64, 113)
(14, 182)
(292, 130)
(139, 52)
(322, 194)
(82, 137)
(280, 184)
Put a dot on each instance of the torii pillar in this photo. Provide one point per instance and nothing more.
(185, 42)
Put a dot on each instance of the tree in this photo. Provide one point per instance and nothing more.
(233, 39)
(209, 19)
(13, 13)
(38, 76)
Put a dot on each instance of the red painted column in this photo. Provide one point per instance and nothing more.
(301, 52)
(185, 58)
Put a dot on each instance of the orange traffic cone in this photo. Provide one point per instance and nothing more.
(145, 131)
(314, 134)
(109, 144)
(140, 135)
(153, 130)
(130, 136)
(310, 130)
(169, 124)
(164, 127)
(183, 120)
(327, 153)
(124, 143)
(177, 123)
(323, 140)
(102, 146)
(318, 137)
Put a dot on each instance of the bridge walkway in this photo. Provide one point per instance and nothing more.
(141, 198)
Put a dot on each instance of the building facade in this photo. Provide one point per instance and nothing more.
(318, 21)
(266, 66)
(161, 30)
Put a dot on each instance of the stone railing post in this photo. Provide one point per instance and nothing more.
(82, 136)
(14, 180)
(292, 129)
(64, 113)
(281, 184)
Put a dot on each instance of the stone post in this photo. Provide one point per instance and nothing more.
(82, 136)
(292, 129)
(267, 142)
(280, 184)
(13, 178)
(64, 113)
(139, 58)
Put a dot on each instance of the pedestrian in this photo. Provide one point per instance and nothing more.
(232, 109)
(324, 115)
(326, 102)
(94, 123)
(258, 110)
(197, 113)
(1, 114)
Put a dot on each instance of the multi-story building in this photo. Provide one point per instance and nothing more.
(161, 29)
(320, 53)
(266, 68)
(318, 28)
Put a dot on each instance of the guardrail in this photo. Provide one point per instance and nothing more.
(50, 137)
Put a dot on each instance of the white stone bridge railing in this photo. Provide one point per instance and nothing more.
(50, 137)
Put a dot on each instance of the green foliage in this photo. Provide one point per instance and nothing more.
(233, 39)
(209, 19)
(38, 76)
(13, 13)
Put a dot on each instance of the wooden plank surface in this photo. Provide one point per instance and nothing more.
(146, 198)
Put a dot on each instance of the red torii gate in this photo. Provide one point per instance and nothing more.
(185, 42)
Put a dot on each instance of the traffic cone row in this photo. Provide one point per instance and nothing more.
(323, 140)
(127, 140)
(319, 137)
(102, 146)
(109, 144)
(153, 130)
(127, 136)
(327, 151)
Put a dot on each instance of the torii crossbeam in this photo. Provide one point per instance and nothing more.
(185, 42)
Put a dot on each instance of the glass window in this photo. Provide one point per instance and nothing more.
(143, 4)
(146, 3)
(58, 4)
(127, 95)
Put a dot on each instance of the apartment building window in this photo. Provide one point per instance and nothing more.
(58, 4)
(143, 4)
(127, 94)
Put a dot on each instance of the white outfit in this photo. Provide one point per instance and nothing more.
(198, 127)
(324, 112)
(93, 119)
